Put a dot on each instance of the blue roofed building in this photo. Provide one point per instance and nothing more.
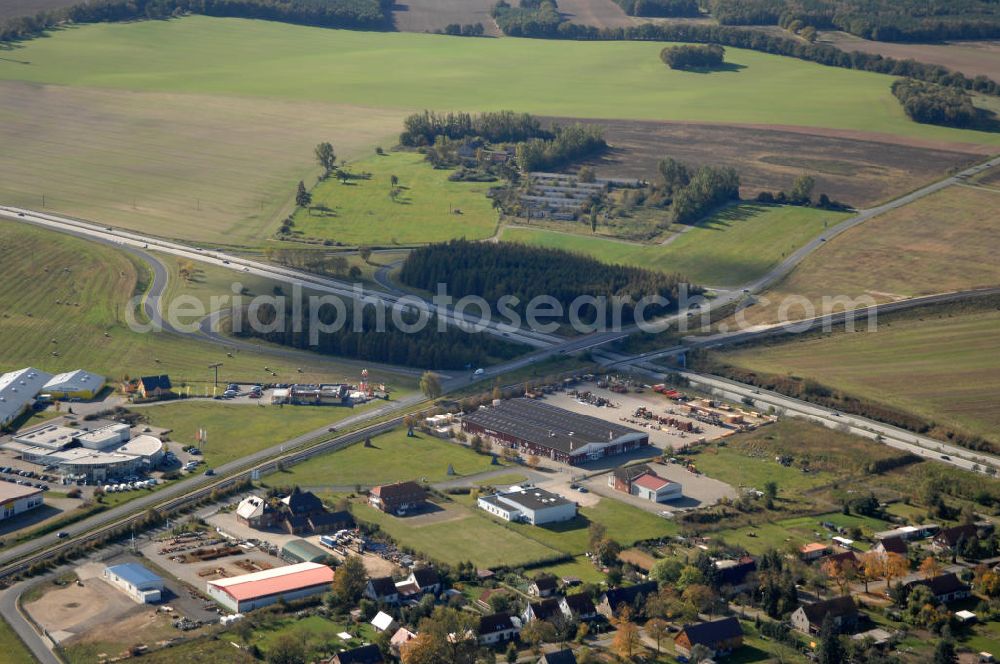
(135, 581)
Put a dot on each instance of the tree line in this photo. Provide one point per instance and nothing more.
(465, 30)
(421, 129)
(935, 104)
(693, 56)
(756, 40)
(352, 14)
(881, 20)
(568, 144)
(530, 18)
(660, 8)
(492, 271)
(426, 349)
(692, 195)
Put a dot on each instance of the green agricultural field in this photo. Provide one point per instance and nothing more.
(85, 315)
(415, 71)
(427, 208)
(733, 247)
(944, 366)
(459, 535)
(12, 649)
(393, 457)
(236, 430)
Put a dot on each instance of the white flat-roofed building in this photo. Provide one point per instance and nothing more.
(528, 504)
(18, 390)
(48, 436)
(77, 384)
(135, 581)
(106, 437)
(252, 591)
(16, 499)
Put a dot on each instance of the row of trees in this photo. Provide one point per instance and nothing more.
(801, 194)
(756, 40)
(572, 143)
(661, 8)
(935, 104)
(492, 271)
(882, 20)
(353, 14)
(421, 129)
(531, 18)
(693, 56)
(706, 190)
(361, 337)
(465, 30)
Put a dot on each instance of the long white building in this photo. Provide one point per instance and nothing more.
(18, 390)
(16, 499)
(135, 581)
(528, 504)
(252, 591)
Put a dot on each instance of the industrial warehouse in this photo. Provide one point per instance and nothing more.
(534, 427)
(16, 499)
(252, 591)
(135, 581)
(529, 505)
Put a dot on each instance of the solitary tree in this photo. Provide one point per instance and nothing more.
(365, 252)
(802, 188)
(326, 158)
(657, 630)
(430, 385)
(302, 197)
(830, 650)
(626, 641)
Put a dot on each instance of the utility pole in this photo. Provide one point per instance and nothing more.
(216, 367)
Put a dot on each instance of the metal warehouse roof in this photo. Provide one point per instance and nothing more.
(548, 426)
(304, 551)
(17, 389)
(75, 381)
(275, 581)
(11, 491)
(135, 574)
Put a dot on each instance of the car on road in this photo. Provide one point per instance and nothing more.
(478, 372)
(62, 534)
(946, 457)
(583, 489)
(209, 473)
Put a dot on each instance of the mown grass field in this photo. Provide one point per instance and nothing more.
(392, 458)
(12, 649)
(236, 430)
(733, 247)
(414, 71)
(428, 208)
(944, 242)
(944, 367)
(40, 302)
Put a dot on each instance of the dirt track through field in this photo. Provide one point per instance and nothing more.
(855, 168)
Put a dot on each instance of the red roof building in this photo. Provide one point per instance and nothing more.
(252, 591)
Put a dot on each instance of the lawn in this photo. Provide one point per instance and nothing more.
(416, 71)
(943, 242)
(392, 457)
(796, 531)
(459, 536)
(733, 247)
(236, 430)
(12, 649)
(85, 316)
(906, 363)
(427, 208)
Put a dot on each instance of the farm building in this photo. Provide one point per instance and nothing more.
(533, 427)
(135, 581)
(17, 499)
(18, 390)
(252, 591)
(528, 504)
(398, 498)
(303, 551)
(77, 384)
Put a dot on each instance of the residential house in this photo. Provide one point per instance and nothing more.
(613, 599)
(369, 654)
(155, 387)
(426, 579)
(543, 586)
(894, 544)
(382, 589)
(497, 628)
(299, 507)
(399, 499)
(736, 576)
(256, 512)
(578, 607)
(547, 609)
(945, 587)
(399, 639)
(809, 618)
(948, 539)
(564, 656)
(719, 636)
